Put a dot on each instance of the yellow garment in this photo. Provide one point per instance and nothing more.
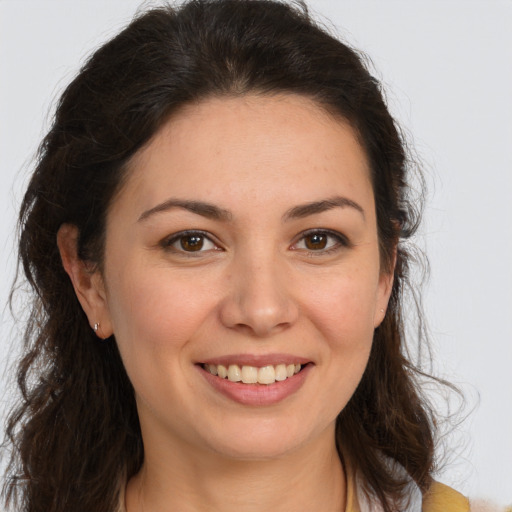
(440, 498)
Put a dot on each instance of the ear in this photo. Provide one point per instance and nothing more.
(87, 281)
(384, 290)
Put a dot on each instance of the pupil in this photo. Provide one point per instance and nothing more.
(192, 243)
(316, 241)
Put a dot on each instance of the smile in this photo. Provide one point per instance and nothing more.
(252, 374)
(256, 379)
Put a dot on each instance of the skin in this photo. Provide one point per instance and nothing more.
(256, 287)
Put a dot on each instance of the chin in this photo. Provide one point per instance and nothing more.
(262, 449)
(263, 441)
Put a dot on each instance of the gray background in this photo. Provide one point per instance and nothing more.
(447, 68)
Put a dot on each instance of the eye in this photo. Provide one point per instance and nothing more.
(190, 242)
(320, 241)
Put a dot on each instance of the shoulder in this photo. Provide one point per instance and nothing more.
(441, 498)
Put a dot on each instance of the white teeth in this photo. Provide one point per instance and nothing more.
(234, 373)
(249, 374)
(281, 372)
(266, 375)
(222, 371)
(252, 374)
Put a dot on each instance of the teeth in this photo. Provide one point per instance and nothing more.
(222, 371)
(267, 375)
(281, 372)
(252, 374)
(249, 374)
(234, 373)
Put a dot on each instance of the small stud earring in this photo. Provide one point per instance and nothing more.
(96, 327)
(382, 311)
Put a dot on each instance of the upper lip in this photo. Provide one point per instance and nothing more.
(258, 360)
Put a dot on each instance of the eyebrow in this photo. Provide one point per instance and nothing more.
(207, 210)
(301, 211)
(213, 212)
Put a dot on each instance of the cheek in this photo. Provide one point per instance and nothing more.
(342, 311)
(155, 312)
(345, 328)
(342, 308)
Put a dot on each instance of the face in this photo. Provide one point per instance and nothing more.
(244, 242)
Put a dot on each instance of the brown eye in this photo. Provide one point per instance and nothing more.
(189, 242)
(321, 242)
(316, 241)
(192, 243)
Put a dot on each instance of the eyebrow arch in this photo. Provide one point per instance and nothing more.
(207, 210)
(300, 211)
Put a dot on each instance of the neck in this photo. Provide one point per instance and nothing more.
(310, 478)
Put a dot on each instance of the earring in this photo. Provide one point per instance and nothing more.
(96, 328)
(382, 311)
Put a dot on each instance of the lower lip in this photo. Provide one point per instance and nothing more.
(257, 394)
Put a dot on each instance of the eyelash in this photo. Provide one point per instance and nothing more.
(169, 242)
(340, 242)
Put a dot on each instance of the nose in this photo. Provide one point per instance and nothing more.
(259, 301)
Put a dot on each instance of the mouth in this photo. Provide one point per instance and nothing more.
(262, 375)
(256, 380)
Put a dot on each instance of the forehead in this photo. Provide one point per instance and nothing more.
(262, 148)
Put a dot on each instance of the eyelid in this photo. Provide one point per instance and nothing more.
(167, 242)
(342, 241)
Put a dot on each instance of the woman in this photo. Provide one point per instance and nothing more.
(215, 235)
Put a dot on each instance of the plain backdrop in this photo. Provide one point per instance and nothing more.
(447, 69)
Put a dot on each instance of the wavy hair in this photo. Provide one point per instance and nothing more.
(75, 433)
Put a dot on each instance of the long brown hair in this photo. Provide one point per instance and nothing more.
(76, 434)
